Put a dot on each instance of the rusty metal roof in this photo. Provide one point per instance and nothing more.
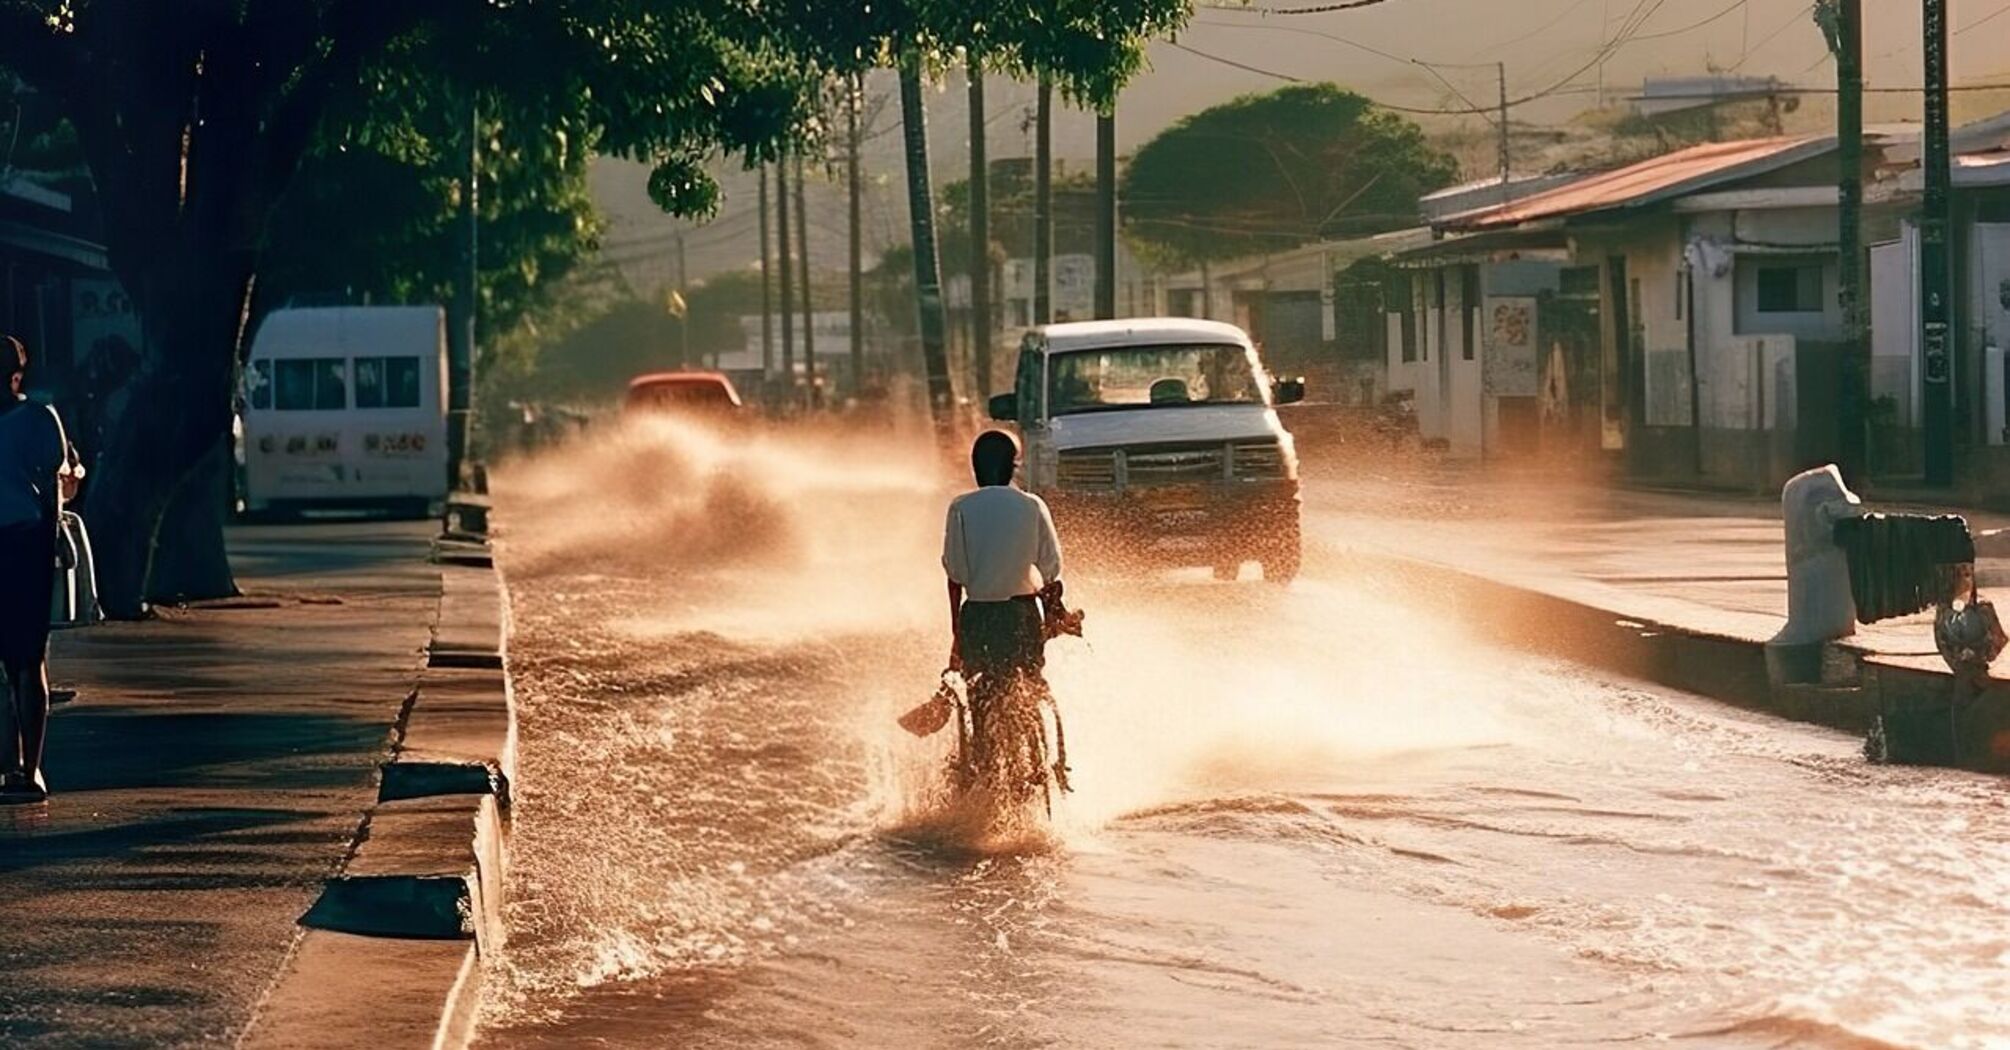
(1659, 178)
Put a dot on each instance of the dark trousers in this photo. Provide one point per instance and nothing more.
(1002, 639)
(27, 581)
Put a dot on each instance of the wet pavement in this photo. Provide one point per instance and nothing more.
(1321, 815)
(210, 774)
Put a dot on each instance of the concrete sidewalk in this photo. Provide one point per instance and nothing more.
(1705, 563)
(210, 775)
(1681, 589)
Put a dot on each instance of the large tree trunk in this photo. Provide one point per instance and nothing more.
(192, 563)
(927, 266)
(176, 418)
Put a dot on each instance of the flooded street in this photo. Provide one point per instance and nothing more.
(1321, 815)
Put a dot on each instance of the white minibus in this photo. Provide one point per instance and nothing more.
(345, 407)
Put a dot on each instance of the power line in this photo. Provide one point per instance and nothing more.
(1630, 24)
(1770, 37)
(1693, 26)
(1318, 9)
(1985, 19)
(1547, 26)
(1355, 44)
(1564, 87)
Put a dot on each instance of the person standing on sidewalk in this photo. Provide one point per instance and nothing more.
(35, 477)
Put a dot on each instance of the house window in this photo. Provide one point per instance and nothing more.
(1469, 305)
(1789, 288)
(1579, 282)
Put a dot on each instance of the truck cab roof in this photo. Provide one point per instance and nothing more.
(1096, 335)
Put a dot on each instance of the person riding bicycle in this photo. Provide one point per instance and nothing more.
(1003, 559)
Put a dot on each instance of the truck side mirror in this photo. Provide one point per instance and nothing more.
(1005, 407)
(1288, 391)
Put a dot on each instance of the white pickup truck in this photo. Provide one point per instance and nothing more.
(1156, 442)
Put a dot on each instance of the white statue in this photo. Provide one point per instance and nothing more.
(1820, 607)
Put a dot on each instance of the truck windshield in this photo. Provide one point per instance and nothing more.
(1151, 376)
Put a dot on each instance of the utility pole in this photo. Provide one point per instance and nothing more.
(684, 317)
(785, 264)
(803, 261)
(1846, 40)
(1106, 213)
(933, 324)
(467, 299)
(856, 247)
(767, 290)
(1507, 154)
(1043, 204)
(980, 235)
(1936, 255)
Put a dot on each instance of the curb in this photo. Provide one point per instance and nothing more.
(392, 952)
(1911, 704)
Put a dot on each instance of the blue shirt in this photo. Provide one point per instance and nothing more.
(31, 452)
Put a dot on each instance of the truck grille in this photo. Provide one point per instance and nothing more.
(1088, 470)
(1175, 466)
(1259, 461)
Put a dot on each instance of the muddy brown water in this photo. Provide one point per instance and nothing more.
(1312, 816)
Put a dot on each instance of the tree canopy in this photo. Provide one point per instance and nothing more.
(195, 119)
(1273, 171)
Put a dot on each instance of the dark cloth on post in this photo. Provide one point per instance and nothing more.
(27, 579)
(1900, 564)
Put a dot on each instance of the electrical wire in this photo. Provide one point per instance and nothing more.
(1317, 9)
(1693, 26)
(1798, 18)
(1984, 20)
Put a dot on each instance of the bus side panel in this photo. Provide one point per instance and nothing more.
(351, 456)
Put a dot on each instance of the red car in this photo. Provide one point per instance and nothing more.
(702, 392)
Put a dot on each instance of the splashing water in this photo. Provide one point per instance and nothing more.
(1326, 808)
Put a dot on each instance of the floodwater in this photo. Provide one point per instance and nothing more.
(1314, 816)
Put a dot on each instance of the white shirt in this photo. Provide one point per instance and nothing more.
(999, 543)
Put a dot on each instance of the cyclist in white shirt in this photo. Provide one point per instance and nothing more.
(1003, 559)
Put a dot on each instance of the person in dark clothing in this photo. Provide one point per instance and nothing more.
(35, 478)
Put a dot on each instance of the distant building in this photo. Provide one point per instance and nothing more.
(1678, 319)
(1660, 96)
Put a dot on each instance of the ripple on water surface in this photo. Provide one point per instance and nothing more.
(1314, 816)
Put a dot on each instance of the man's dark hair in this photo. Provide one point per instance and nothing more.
(15, 364)
(994, 457)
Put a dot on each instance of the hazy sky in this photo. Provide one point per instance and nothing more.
(1549, 46)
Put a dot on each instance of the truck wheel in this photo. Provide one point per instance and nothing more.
(1282, 566)
(1280, 561)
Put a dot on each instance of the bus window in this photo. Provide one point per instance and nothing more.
(331, 382)
(311, 383)
(261, 385)
(387, 382)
